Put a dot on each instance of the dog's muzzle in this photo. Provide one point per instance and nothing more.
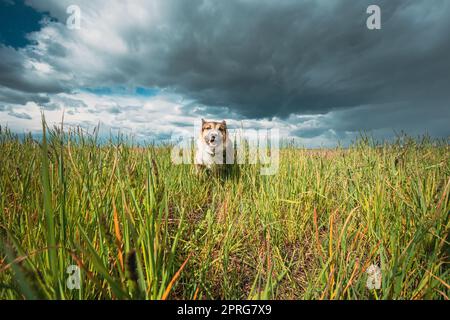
(213, 138)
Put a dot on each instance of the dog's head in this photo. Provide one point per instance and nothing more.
(214, 133)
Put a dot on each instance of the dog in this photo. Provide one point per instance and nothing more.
(213, 145)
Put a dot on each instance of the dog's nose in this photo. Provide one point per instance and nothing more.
(213, 138)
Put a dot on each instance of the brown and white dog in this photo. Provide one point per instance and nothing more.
(213, 145)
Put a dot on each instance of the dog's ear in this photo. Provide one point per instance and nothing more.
(203, 121)
(224, 123)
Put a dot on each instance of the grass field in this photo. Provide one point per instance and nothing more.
(140, 227)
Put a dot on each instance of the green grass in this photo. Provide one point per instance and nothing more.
(140, 227)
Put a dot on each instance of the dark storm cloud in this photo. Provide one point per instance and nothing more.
(270, 58)
(15, 74)
(386, 120)
(19, 97)
(247, 59)
(264, 58)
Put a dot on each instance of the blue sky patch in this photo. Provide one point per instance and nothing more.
(16, 21)
(123, 91)
(146, 92)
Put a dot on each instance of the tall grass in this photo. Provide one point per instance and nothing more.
(140, 227)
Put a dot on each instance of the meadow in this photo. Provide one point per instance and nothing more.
(140, 227)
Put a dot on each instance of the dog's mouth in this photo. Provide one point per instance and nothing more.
(213, 143)
(212, 140)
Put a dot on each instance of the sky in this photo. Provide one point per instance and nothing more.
(310, 68)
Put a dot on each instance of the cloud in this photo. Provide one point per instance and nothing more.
(20, 97)
(310, 66)
(383, 121)
(20, 115)
(259, 58)
(114, 110)
(63, 101)
(25, 71)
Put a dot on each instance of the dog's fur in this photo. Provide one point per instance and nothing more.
(213, 145)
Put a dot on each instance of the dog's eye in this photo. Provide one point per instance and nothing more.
(221, 129)
(208, 128)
